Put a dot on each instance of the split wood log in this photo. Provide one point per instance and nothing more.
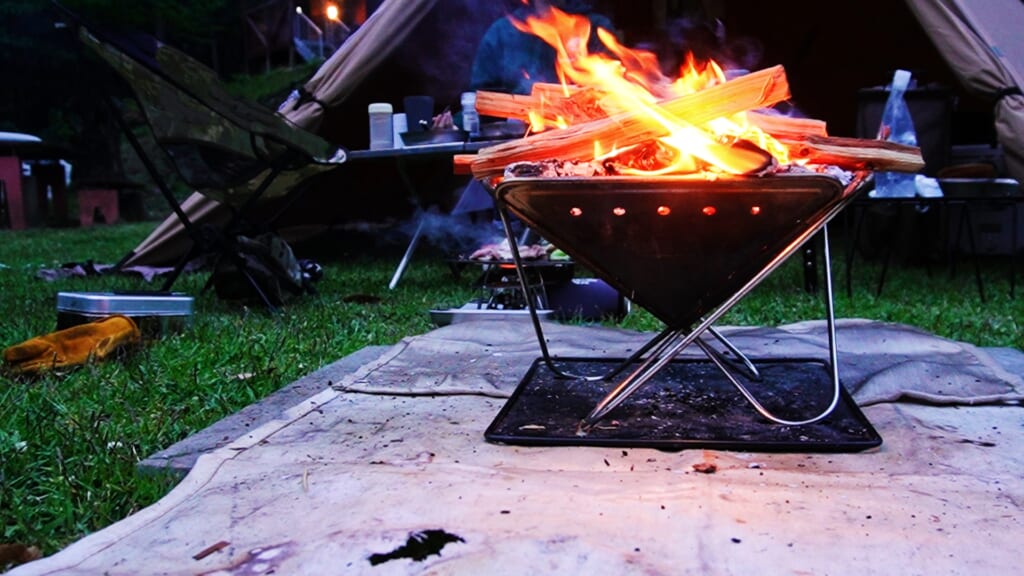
(565, 105)
(856, 153)
(553, 108)
(847, 153)
(502, 105)
(551, 103)
(787, 127)
(519, 106)
(462, 164)
(755, 90)
(552, 90)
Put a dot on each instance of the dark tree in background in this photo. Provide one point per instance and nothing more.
(53, 86)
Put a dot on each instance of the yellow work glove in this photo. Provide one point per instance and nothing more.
(73, 346)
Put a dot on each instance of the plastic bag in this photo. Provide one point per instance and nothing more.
(897, 126)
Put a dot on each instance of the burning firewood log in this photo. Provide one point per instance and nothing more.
(594, 123)
(856, 153)
(549, 104)
(756, 90)
(781, 126)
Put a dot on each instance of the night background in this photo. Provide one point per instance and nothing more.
(54, 88)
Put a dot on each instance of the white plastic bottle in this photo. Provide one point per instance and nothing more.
(381, 132)
(897, 126)
(470, 117)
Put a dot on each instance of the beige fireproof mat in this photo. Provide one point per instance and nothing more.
(387, 472)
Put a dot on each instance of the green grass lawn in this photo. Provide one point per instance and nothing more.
(70, 442)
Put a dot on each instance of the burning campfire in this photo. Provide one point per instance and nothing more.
(618, 114)
(670, 195)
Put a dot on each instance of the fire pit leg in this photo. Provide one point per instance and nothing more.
(658, 342)
(657, 362)
(751, 369)
(833, 359)
(665, 347)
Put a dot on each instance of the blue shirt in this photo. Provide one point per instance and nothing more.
(510, 61)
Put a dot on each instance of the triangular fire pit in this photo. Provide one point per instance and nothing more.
(686, 248)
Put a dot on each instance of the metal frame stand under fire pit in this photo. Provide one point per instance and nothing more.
(662, 350)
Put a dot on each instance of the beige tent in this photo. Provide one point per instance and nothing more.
(983, 45)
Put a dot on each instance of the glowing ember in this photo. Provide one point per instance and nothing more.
(630, 79)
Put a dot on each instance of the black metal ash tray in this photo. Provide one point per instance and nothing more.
(686, 249)
(688, 404)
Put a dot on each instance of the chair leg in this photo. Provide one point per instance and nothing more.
(179, 267)
(1014, 257)
(966, 222)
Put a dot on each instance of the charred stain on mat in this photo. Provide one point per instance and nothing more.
(418, 547)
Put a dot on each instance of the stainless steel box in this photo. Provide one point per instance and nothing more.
(156, 314)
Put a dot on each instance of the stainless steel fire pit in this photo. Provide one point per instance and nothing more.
(686, 249)
(679, 247)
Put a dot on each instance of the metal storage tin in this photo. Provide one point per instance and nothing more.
(156, 313)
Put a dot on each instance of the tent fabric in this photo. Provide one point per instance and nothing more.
(392, 455)
(382, 32)
(981, 42)
(158, 248)
(374, 41)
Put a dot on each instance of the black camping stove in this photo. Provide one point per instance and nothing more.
(686, 249)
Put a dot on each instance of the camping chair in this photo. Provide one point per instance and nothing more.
(233, 151)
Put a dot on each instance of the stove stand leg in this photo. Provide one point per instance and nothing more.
(715, 357)
(752, 372)
(669, 351)
(658, 343)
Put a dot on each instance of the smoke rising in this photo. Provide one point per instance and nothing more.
(707, 39)
(452, 234)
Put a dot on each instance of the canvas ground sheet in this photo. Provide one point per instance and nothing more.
(388, 472)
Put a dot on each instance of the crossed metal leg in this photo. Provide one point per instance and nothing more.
(664, 347)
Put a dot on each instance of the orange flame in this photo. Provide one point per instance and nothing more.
(632, 80)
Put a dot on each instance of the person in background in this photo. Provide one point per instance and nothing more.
(511, 61)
